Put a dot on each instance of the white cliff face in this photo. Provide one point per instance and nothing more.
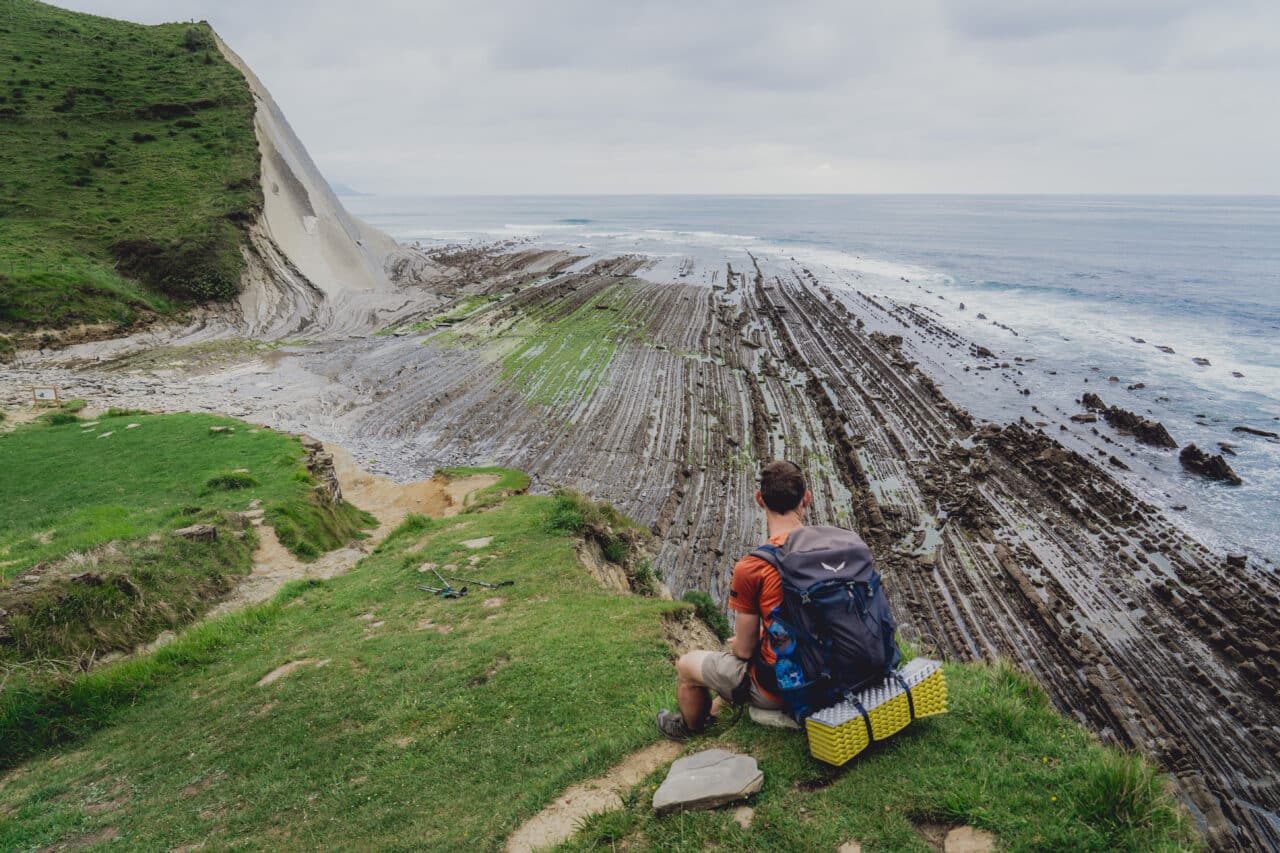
(313, 269)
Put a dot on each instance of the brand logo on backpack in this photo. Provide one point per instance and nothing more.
(833, 633)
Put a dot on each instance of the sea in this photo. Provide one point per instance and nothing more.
(1177, 297)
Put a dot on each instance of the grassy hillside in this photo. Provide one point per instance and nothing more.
(394, 719)
(128, 168)
(88, 564)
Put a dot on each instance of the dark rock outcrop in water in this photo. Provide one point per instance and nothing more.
(1145, 430)
(1124, 421)
(1258, 432)
(1197, 461)
(1093, 402)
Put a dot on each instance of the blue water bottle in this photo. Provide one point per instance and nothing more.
(788, 672)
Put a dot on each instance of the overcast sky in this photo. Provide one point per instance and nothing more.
(705, 96)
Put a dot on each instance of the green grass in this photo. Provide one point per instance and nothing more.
(449, 723)
(128, 168)
(407, 738)
(67, 488)
(1001, 760)
(99, 500)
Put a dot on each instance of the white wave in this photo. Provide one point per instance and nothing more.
(835, 259)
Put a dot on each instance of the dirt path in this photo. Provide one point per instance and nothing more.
(560, 820)
(389, 502)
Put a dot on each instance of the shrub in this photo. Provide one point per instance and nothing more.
(197, 38)
(230, 482)
(60, 418)
(643, 579)
(709, 613)
(195, 268)
(615, 549)
(74, 405)
(566, 514)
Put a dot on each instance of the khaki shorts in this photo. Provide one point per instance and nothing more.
(723, 672)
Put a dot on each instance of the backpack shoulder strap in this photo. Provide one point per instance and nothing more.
(771, 554)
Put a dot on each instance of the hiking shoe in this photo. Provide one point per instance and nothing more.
(672, 726)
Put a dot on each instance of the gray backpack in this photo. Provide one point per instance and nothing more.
(833, 632)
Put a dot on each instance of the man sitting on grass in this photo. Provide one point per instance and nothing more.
(745, 674)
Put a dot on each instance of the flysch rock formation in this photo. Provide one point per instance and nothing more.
(995, 540)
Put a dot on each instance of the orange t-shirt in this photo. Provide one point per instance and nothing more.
(756, 590)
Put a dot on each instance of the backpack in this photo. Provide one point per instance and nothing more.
(833, 632)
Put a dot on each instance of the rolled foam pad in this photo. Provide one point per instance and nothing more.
(838, 733)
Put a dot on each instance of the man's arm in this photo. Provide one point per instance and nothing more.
(746, 635)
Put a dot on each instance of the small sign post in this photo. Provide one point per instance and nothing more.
(45, 397)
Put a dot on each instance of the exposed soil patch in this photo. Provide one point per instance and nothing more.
(558, 821)
(274, 565)
(933, 834)
(390, 502)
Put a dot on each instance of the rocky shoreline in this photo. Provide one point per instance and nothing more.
(995, 539)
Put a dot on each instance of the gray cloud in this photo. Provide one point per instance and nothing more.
(718, 96)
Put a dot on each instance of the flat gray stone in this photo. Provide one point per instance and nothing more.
(707, 779)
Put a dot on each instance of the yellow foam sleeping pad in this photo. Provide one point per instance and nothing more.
(840, 732)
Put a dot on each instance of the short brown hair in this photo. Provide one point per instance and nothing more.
(782, 486)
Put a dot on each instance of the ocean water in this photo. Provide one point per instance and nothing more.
(1088, 287)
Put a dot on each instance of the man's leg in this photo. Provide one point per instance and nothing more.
(697, 674)
(692, 695)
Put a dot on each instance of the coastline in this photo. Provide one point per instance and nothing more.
(997, 541)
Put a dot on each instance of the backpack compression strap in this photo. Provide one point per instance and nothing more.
(911, 704)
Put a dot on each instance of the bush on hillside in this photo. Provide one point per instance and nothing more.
(709, 613)
(197, 38)
(619, 537)
(59, 418)
(194, 268)
(230, 482)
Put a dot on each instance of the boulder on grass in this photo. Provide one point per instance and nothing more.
(706, 780)
(197, 533)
